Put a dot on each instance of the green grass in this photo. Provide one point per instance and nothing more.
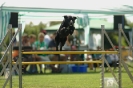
(79, 80)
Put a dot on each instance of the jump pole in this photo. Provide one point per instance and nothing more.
(59, 62)
(71, 52)
(20, 56)
(10, 54)
(102, 47)
(119, 70)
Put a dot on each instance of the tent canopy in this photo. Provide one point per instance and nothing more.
(96, 24)
(55, 27)
(70, 6)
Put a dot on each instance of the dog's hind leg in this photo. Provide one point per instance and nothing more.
(57, 41)
(63, 41)
(60, 46)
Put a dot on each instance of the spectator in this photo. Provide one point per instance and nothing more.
(96, 57)
(89, 58)
(115, 61)
(33, 68)
(47, 37)
(25, 46)
(52, 44)
(76, 39)
(65, 68)
(62, 68)
(25, 40)
(32, 39)
(109, 58)
(76, 42)
(41, 45)
(54, 67)
(92, 58)
(68, 46)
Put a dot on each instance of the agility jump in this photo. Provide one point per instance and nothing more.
(62, 62)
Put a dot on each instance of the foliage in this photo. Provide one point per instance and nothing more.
(114, 36)
(35, 29)
(54, 23)
(7, 40)
(115, 40)
(128, 23)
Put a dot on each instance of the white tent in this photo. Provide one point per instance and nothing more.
(70, 6)
(116, 7)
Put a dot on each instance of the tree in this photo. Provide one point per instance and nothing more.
(114, 36)
(34, 29)
(115, 40)
(41, 26)
(55, 23)
(128, 22)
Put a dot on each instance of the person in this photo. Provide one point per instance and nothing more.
(96, 57)
(68, 46)
(76, 42)
(25, 57)
(32, 39)
(52, 46)
(33, 68)
(41, 45)
(47, 38)
(63, 68)
(25, 40)
(89, 58)
(115, 61)
(76, 39)
(109, 58)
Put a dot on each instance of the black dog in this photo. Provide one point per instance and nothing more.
(66, 28)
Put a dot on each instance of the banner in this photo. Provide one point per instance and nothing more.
(0, 25)
(131, 37)
(83, 21)
(4, 21)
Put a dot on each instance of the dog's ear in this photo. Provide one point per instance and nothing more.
(65, 16)
(75, 18)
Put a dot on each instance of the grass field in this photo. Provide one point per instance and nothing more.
(77, 80)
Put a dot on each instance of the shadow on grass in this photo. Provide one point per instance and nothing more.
(98, 71)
